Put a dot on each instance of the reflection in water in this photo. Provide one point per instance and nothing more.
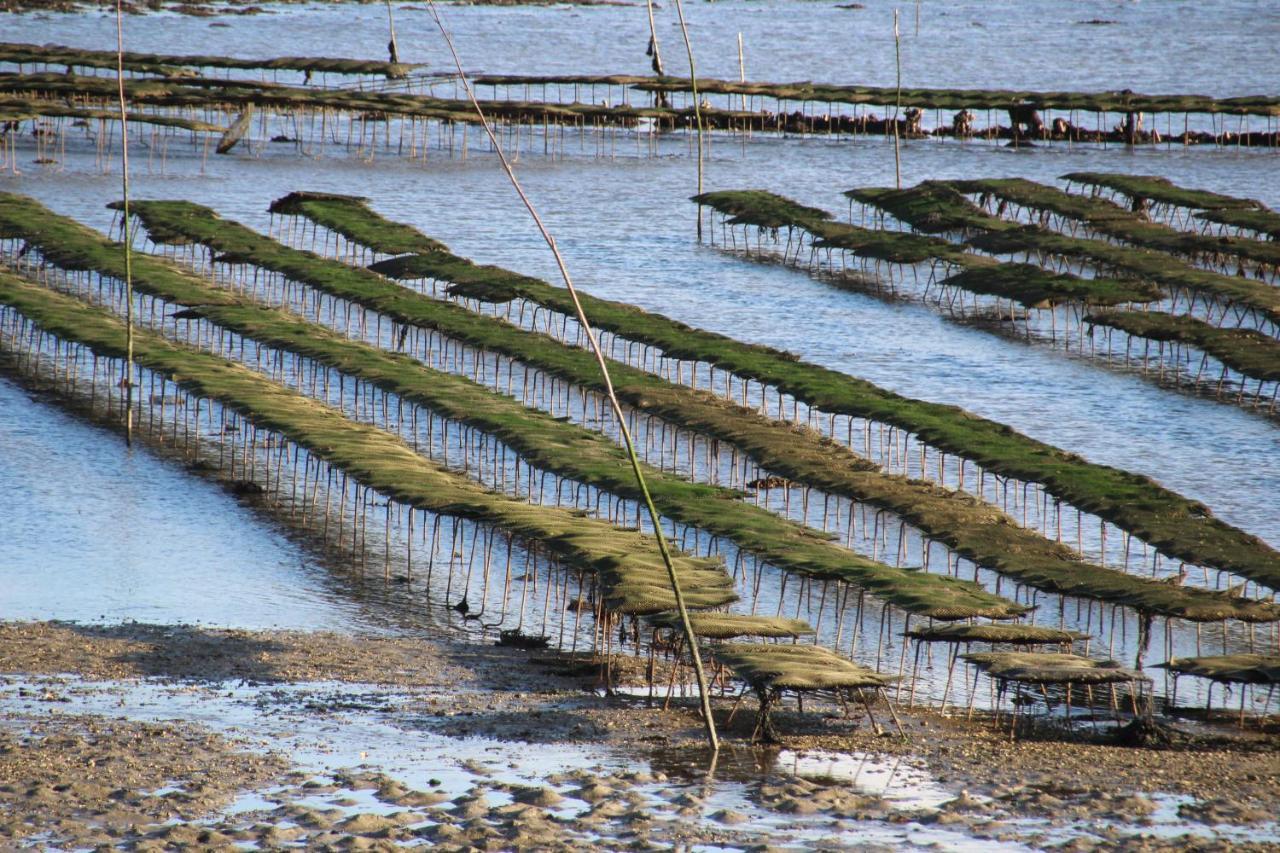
(93, 532)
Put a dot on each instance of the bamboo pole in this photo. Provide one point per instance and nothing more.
(897, 58)
(663, 549)
(128, 248)
(742, 71)
(654, 53)
(393, 49)
(697, 103)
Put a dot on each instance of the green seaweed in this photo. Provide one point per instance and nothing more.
(942, 99)
(1036, 287)
(158, 63)
(1106, 217)
(341, 214)
(1237, 669)
(1246, 351)
(1132, 261)
(542, 440)
(1265, 222)
(628, 562)
(986, 536)
(1161, 190)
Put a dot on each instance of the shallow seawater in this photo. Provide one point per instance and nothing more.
(386, 734)
(626, 226)
(336, 733)
(94, 532)
(621, 214)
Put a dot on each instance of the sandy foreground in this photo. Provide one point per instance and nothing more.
(146, 737)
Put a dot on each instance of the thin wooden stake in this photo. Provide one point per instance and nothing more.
(690, 637)
(897, 58)
(128, 249)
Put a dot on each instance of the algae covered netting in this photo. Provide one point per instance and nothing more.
(344, 215)
(1248, 351)
(956, 99)
(770, 666)
(186, 93)
(1050, 668)
(763, 209)
(1107, 218)
(1162, 191)
(1017, 635)
(21, 109)
(541, 439)
(1136, 262)
(1036, 287)
(930, 207)
(1266, 222)
(939, 207)
(725, 626)
(1239, 669)
(169, 64)
(972, 528)
(627, 562)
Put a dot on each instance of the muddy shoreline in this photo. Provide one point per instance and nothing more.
(82, 778)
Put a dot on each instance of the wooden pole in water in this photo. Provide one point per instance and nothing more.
(690, 637)
(393, 49)
(654, 52)
(742, 71)
(128, 249)
(897, 57)
(697, 103)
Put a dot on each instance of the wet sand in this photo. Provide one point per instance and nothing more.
(76, 773)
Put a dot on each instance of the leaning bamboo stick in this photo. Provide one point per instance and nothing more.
(697, 103)
(663, 549)
(128, 247)
(897, 143)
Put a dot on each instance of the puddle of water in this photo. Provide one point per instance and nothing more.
(128, 536)
(384, 732)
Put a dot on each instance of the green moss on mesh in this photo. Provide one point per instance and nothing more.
(1106, 217)
(932, 207)
(762, 209)
(1237, 669)
(158, 63)
(1135, 262)
(956, 99)
(1050, 668)
(543, 440)
(1266, 222)
(1247, 351)
(22, 109)
(633, 574)
(350, 217)
(1018, 635)
(975, 530)
(1160, 190)
(972, 528)
(1036, 287)
(794, 667)
(726, 626)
